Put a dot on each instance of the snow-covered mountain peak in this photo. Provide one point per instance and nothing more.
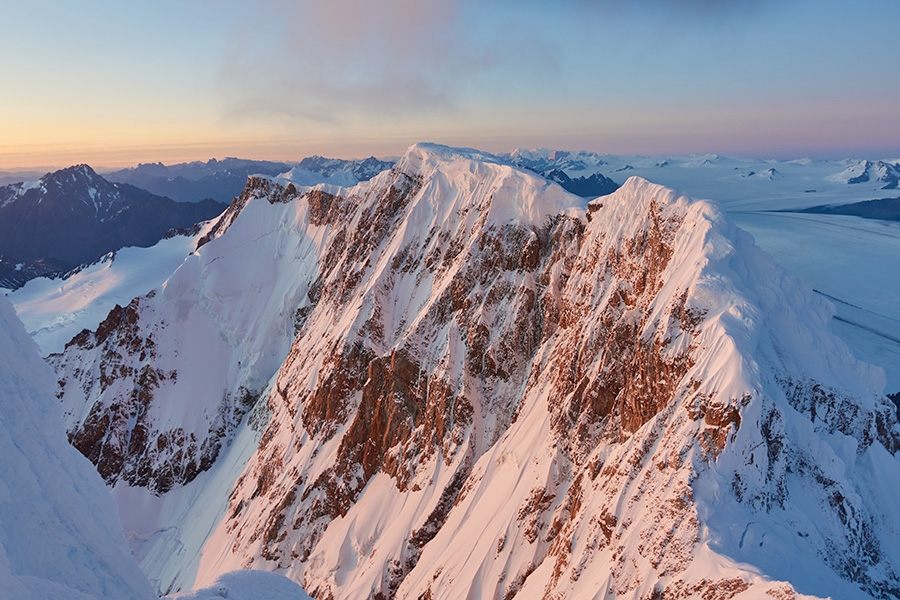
(884, 173)
(424, 157)
(472, 383)
(455, 179)
(80, 184)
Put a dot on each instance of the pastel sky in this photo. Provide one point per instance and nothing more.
(113, 82)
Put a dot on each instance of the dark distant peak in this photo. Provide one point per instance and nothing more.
(78, 177)
(315, 162)
(150, 166)
(558, 176)
(81, 171)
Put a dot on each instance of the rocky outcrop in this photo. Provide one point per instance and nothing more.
(120, 374)
(256, 188)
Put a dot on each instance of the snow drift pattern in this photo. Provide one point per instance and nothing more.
(495, 390)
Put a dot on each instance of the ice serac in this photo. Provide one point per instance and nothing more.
(483, 386)
(60, 538)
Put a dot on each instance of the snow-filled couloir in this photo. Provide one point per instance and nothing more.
(470, 383)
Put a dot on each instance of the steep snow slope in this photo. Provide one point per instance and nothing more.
(59, 535)
(851, 261)
(55, 310)
(494, 390)
(206, 342)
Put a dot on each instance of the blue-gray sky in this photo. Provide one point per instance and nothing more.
(113, 83)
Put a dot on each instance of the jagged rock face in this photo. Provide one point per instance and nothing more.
(118, 378)
(484, 387)
(453, 382)
(255, 188)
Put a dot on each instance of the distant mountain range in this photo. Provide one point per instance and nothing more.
(883, 173)
(75, 216)
(362, 170)
(222, 180)
(8, 177)
(576, 172)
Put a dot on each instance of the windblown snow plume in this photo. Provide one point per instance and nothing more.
(473, 384)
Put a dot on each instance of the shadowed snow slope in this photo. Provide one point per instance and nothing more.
(248, 585)
(473, 384)
(59, 534)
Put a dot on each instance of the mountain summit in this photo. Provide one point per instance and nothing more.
(458, 380)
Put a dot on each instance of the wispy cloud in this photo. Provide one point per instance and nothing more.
(321, 61)
(338, 65)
